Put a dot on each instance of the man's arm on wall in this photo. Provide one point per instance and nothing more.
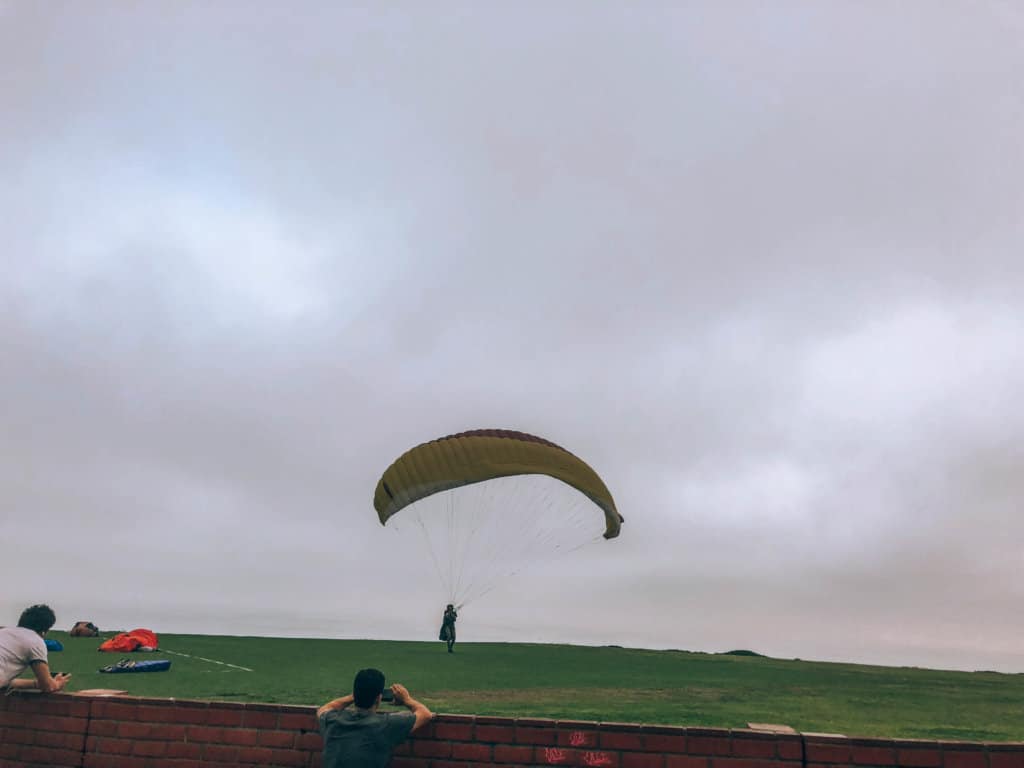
(341, 703)
(44, 681)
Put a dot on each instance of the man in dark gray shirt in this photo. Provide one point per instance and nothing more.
(356, 735)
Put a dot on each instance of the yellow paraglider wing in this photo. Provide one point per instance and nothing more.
(485, 454)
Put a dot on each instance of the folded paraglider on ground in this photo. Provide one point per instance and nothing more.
(128, 665)
(126, 642)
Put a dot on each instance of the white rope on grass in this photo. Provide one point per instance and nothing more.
(203, 658)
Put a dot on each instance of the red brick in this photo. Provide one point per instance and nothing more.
(61, 740)
(62, 724)
(204, 734)
(241, 737)
(134, 730)
(952, 758)
(872, 755)
(166, 732)
(619, 740)
(219, 752)
(52, 758)
(231, 718)
(151, 714)
(708, 745)
(287, 757)
(686, 761)
(919, 758)
(1006, 759)
(454, 731)
(741, 762)
(495, 733)
(258, 755)
(13, 719)
(189, 716)
(542, 736)
(753, 746)
(150, 748)
(664, 742)
(281, 739)
(114, 746)
(113, 710)
(102, 728)
(297, 721)
(478, 752)
(507, 754)
(258, 719)
(21, 736)
(641, 760)
(108, 761)
(790, 748)
(422, 748)
(184, 750)
(827, 752)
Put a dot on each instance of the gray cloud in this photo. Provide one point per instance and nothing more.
(760, 269)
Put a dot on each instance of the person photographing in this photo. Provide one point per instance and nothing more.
(356, 734)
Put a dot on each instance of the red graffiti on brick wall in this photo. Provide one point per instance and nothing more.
(597, 758)
(579, 739)
(554, 755)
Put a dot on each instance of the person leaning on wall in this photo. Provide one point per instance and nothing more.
(24, 646)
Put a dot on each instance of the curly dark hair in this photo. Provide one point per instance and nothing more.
(37, 617)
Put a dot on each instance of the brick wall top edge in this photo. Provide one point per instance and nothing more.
(719, 732)
(962, 746)
(666, 730)
(864, 741)
(448, 717)
(154, 702)
(612, 726)
(491, 720)
(751, 734)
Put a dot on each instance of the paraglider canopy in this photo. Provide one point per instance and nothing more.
(486, 454)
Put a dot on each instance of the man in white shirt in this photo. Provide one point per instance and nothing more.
(24, 646)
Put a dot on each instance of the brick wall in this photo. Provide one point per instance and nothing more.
(126, 732)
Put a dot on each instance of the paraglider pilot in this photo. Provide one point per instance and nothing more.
(448, 626)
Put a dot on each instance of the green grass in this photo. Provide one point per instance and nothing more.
(571, 682)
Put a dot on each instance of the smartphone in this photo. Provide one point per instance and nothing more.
(387, 696)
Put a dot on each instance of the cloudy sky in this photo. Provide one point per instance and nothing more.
(760, 265)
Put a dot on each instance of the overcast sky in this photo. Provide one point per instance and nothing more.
(759, 264)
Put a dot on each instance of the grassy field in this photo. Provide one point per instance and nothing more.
(571, 682)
